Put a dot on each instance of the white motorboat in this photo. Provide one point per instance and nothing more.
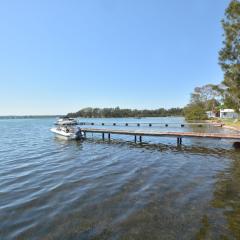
(66, 121)
(66, 129)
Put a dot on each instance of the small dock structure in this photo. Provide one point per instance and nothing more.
(139, 134)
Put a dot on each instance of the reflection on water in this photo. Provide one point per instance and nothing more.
(227, 196)
(54, 189)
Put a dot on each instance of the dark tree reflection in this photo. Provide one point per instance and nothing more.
(227, 196)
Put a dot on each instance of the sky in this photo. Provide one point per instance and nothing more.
(58, 56)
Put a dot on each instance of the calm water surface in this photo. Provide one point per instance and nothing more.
(53, 189)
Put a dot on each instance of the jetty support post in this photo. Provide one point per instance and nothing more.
(109, 136)
(135, 138)
(236, 145)
(103, 136)
(179, 141)
(140, 139)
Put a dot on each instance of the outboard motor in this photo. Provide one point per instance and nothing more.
(79, 133)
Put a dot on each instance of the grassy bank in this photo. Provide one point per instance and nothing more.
(227, 123)
(232, 123)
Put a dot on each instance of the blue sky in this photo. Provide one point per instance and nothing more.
(57, 56)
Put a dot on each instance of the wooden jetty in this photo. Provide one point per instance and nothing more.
(179, 135)
(149, 124)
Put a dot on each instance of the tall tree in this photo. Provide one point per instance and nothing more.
(205, 98)
(208, 96)
(229, 55)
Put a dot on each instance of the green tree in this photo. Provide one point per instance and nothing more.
(118, 112)
(195, 111)
(229, 55)
(208, 96)
(203, 99)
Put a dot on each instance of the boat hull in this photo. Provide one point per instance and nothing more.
(67, 136)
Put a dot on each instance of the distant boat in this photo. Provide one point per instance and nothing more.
(66, 121)
(66, 128)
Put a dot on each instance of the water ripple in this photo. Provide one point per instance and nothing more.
(52, 189)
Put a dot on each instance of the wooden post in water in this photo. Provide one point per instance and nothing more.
(135, 138)
(103, 136)
(140, 139)
(109, 137)
(179, 141)
(236, 145)
(138, 124)
(150, 124)
(166, 125)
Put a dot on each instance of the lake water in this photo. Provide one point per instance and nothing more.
(53, 189)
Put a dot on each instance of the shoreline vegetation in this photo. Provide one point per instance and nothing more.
(232, 124)
(125, 113)
(232, 127)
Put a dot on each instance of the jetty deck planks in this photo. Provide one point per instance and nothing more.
(163, 134)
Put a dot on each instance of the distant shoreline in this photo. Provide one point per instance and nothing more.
(55, 116)
(29, 116)
(117, 112)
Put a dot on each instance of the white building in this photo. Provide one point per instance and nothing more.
(228, 113)
(211, 114)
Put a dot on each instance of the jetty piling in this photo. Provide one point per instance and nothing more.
(179, 141)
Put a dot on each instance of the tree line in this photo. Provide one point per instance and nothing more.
(227, 93)
(118, 112)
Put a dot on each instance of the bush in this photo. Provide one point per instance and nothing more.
(195, 112)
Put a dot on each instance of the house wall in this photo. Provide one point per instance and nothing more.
(211, 114)
(228, 115)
